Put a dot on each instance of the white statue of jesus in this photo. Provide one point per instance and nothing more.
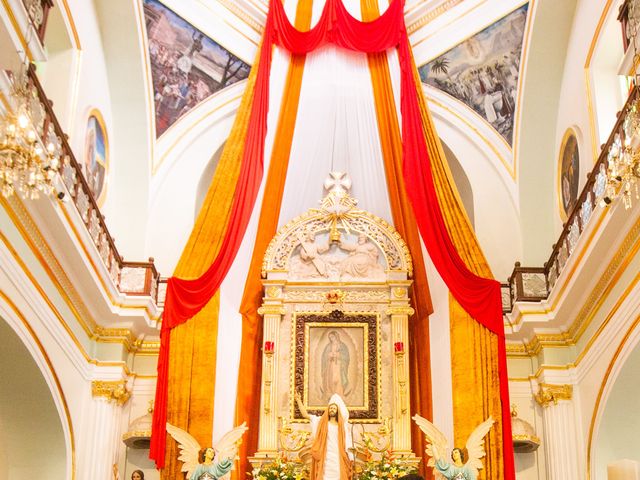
(332, 441)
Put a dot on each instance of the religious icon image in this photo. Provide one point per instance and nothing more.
(336, 364)
(457, 468)
(208, 463)
(95, 156)
(569, 172)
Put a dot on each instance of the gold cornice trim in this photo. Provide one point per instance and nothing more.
(549, 394)
(41, 250)
(112, 390)
(47, 360)
(539, 341)
(136, 433)
(430, 15)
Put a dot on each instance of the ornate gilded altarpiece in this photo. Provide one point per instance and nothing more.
(335, 313)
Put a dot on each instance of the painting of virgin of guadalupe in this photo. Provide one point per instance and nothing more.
(336, 364)
(95, 156)
(569, 173)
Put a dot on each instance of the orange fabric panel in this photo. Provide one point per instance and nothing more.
(250, 371)
(405, 223)
(474, 349)
(192, 364)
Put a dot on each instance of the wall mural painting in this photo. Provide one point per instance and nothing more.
(186, 65)
(482, 72)
(96, 156)
(569, 173)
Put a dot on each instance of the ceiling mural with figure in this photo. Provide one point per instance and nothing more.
(483, 71)
(186, 65)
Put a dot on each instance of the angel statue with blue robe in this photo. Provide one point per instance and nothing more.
(437, 447)
(209, 463)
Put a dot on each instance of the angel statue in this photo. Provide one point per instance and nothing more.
(437, 447)
(209, 463)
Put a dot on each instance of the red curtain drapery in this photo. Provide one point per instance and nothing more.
(480, 297)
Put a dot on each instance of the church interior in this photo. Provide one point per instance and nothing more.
(319, 239)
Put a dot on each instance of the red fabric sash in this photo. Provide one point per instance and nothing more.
(480, 297)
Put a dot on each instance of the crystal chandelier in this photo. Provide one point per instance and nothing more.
(623, 157)
(623, 171)
(30, 151)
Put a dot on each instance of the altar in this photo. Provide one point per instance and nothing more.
(335, 315)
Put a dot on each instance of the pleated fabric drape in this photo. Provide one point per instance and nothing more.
(475, 350)
(190, 369)
(405, 222)
(250, 368)
(426, 186)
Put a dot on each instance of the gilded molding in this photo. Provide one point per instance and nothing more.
(549, 394)
(271, 310)
(400, 311)
(112, 390)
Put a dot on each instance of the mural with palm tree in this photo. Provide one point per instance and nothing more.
(483, 71)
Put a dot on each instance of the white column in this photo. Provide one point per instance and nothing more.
(101, 429)
(560, 431)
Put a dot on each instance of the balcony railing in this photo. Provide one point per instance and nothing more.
(131, 278)
(533, 284)
(38, 12)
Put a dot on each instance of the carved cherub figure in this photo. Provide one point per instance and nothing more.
(209, 463)
(437, 447)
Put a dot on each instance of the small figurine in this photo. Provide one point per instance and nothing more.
(437, 447)
(198, 462)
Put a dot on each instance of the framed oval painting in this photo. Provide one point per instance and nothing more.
(568, 173)
(95, 159)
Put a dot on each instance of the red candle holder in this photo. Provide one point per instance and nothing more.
(269, 346)
(398, 347)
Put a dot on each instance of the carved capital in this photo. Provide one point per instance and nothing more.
(549, 394)
(271, 310)
(114, 391)
(400, 311)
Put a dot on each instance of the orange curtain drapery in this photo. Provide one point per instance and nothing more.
(250, 370)
(191, 365)
(405, 222)
(475, 350)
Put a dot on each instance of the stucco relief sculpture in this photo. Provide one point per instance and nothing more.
(316, 258)
(209, 463)
(457, 468)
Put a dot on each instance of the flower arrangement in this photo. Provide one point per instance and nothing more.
(281, 469)
(388, 467)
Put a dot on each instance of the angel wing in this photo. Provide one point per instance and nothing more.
(227, 446)
(437, 444)
(475, 445)
(189, 448)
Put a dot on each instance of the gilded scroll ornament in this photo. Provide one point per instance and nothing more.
(549, 394)
(113, 390)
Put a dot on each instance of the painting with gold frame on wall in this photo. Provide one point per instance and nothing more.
(95, 157)
(568, 173)
(337, 353)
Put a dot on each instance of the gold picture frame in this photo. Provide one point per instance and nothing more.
(337, 352)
